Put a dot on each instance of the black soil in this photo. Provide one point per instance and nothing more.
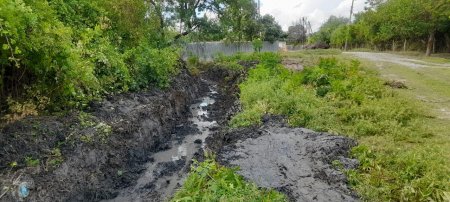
(303, 164)
(102, 154)
(92, 157)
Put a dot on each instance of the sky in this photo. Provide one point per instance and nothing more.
(286, 12)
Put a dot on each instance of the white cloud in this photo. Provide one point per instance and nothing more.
(287, 12)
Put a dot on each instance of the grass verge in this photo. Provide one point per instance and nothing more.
(402, 157)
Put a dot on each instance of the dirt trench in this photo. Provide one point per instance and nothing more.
(103, 154)
(139, 147)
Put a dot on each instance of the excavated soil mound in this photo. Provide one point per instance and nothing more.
(299, 162)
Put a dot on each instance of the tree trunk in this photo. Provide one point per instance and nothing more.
(447, 41)
(430, 43)
(393, 45)
(434, 46)
(404, 46)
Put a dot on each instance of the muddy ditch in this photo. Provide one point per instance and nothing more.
(139, 147)
(129, 147)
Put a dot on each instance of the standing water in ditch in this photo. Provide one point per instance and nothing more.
(168, 168)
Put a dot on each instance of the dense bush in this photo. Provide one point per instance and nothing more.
(342, 98)
(70, 52)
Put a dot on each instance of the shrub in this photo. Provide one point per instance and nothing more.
(75, 51)
(153, 66)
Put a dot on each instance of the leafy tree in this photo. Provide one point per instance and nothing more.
(385, 23)
(271, 30)
(236, 17)
(338, 36)
(326, 30)
(187, 13)
(298, 33)
(435, 13)
(208, 30)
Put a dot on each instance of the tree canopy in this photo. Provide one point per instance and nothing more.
(414, 24)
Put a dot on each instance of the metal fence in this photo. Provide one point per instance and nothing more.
(206, 51)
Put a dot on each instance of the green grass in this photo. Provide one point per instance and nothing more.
(404, 153)
(208, 181)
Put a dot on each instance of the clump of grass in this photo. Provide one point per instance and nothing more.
(208, 181)
(398, 160)
(31, 162)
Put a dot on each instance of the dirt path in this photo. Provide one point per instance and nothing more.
(401, 60)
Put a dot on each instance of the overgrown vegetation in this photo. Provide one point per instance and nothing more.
(392, 25)
(399, 160)
(57, 55)
(61, 54)
(208, 181)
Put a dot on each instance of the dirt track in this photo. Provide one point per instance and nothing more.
(387, 57)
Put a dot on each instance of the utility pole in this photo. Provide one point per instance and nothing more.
(348, 28)
(259, 16)
(259, 7)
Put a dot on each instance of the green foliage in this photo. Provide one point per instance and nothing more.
(73, 51)
(388, 22)
(339, 35)
(257, 45)
(101, 130)
(342, 98)
(46, 51)
(31, 162)
(154, 66)
(55, 159)
(325, 32)
(234, 62)
(237, 19)
(208, 181)
(271, 30)
(193, 65)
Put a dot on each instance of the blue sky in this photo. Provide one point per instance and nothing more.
(287, 12)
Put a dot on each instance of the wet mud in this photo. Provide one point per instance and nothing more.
(303, 164)
(168, 168)
(100, 156)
